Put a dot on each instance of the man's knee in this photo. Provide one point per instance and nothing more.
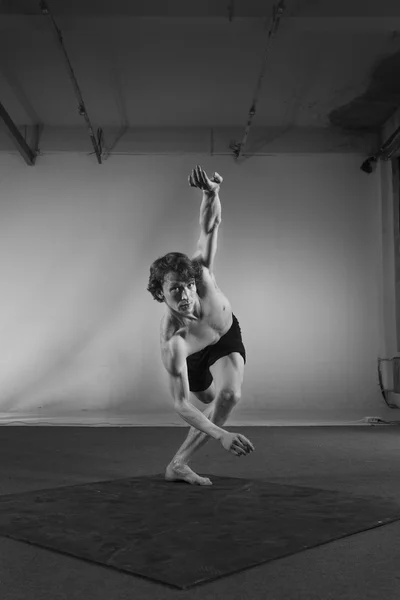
(229, 397)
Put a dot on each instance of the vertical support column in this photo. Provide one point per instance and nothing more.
(388, 299)
(396, 242)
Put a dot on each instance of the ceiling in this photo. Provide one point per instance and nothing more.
(205, 8)
(185, 63)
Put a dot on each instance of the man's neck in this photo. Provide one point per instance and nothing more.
(191, 318)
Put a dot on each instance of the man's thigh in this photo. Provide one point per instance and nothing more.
(228, 373)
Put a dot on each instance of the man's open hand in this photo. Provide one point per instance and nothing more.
(236, 443)
(199, 179)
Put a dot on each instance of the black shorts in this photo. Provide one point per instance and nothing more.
(198, 364)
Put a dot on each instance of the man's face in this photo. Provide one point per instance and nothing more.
(179, 295)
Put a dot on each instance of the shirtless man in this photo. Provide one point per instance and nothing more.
(201, 343)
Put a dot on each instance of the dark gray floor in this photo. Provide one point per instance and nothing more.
(362, 460)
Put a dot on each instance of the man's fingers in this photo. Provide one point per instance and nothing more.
(246, 442)
(203, 176)
(196, 179)
(192, 181)
(239, 452)
(241, 446)
(237, 446)
(200, 179)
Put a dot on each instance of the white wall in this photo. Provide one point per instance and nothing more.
(299, 258)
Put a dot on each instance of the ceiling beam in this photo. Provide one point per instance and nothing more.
(382, 21)
(164, 141)
(216, 8)
(379, 24)
(27, 154)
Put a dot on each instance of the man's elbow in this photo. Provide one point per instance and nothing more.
(181, 405)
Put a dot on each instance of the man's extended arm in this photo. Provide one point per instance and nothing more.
(210, 215)
(179, 385)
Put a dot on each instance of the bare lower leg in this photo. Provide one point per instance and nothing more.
(178, 467)
(195, 439)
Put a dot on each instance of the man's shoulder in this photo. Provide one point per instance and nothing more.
(174, 350)
(172, 336)
(170, 327)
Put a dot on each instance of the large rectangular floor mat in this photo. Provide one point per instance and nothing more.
(182, 535)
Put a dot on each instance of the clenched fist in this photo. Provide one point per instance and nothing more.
(199, 179)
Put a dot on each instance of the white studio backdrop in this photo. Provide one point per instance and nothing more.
(299, 257)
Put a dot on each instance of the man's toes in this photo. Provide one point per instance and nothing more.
(205, 481)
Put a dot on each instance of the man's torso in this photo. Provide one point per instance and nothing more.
(214, 322)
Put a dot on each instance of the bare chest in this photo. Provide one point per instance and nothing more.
(215, 321)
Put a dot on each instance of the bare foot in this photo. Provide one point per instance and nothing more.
(177, 471)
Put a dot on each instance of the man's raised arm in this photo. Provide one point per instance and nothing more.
(210, 214)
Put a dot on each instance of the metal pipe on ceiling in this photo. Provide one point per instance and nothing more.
(277, 13)
(25, 151)
(81, 104)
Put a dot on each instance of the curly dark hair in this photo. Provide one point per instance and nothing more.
(176, 262)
